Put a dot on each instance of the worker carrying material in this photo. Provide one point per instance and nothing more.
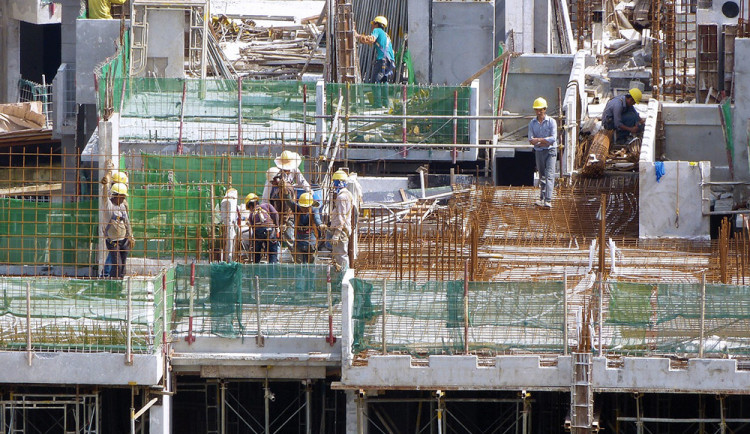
(621, 116)
(341, 220)
(385, 64)
(543, 136)
(264, 223)
(102, 9)
(306, 221)
(115, 227)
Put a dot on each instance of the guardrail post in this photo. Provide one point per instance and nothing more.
(385, 314)
(129, 344)
(331, 339)
(28, 323)
(565, 312)
(703, 314)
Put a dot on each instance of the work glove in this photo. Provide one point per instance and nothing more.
(107, 179)
(131, 242)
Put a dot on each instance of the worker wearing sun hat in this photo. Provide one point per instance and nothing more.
(621, 116)
(288, 163)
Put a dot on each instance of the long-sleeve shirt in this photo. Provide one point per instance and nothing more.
(547, 130)
(101, 9)
(263, 215)
(305, 220)
(295, 178)
(341, 215)
(613, 111)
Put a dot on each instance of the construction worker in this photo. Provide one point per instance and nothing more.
(263, 220)
(115, 227)
(543, 136)
(102, 9)
(288, 164)
(385, 64)
(269, 185)
(621, 116)
(229, 217)
(306, 221)
(341, 220)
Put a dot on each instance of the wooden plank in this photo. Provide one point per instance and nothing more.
(40, 189)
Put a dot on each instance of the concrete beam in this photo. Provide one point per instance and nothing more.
(80, 368)
(459, 373)
(648, 144)
(35, 12)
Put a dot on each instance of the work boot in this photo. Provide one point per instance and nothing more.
(548, 204)
(540, 203)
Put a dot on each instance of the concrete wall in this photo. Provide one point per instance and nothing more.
(542, 27)
(10, 55)
(674, 206)
(741, 108)
(531, 76)
(693, 133)
(419, 25)
(166, 43)
(96, 40)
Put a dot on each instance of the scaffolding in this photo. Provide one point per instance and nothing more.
(78, 412)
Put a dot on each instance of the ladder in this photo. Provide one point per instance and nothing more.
(138, 37)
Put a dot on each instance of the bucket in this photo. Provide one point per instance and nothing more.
(317, 193)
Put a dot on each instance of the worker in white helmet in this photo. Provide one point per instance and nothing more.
(341, 220)
(115, 227)
(621, 116)
(543, 136)
(385, 64)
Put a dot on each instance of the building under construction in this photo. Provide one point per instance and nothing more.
(465, 308)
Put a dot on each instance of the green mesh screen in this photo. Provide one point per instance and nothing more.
(79, 315)
(429, 318)
(663, 318)
(271, 110)
(48, 234)
(365, 99)
(111, 78)
(292, 299)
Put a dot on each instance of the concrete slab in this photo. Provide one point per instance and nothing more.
(80, 368)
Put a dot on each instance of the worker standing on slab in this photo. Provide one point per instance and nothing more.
(115, 227)
(341, 220)
(621, 116)
(102, 9)
(269, 185)
(306, 221)
(263, 220)
(385, 64)
(543, 136)
(288, 164)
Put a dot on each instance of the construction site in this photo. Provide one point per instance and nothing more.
(225, 134)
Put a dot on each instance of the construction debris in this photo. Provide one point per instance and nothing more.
(281, 52)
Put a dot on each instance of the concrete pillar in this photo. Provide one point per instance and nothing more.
(10, 56)
(160, 416)
(420, 25)
(542, 29)
(741, 108)
(519, 18)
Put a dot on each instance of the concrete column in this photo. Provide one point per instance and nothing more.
(10, 56)
(109, 149)
(741, 108)
(320, 123)
(519, 18)
(160, 416)
(542, 31)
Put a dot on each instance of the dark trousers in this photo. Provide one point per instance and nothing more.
(305, 247)
(266, 242)
(117, 256)
(382, 71)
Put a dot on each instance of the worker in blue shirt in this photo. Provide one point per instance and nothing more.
(385, 64)
(543, 136)
(621, 116)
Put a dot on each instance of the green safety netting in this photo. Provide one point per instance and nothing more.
(48, 234)
(248, 174)
(667, 318)
(111, 77)
(79, 315)
(377, 100)
(429, 318)
(293, 299)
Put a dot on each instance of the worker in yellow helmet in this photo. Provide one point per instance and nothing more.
(543, 137)
(115, 227)
(341, 220)
(621, 116)
(102, 9)
(263, 220)
(306, 221)
(385, 62)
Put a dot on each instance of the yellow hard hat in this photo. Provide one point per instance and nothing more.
(121, 177)
(306, 200)
(540, 103)
(252, 197)
(636, 94)
(340, 175)
(381, 19)
(120, 188)
(271, 173)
